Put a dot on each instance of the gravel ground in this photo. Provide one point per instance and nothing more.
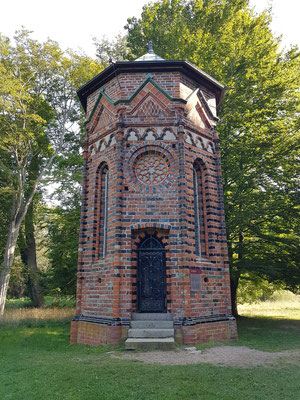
(235, 356)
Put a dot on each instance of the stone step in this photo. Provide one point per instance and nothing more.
(152, 317)
(151, 333)
(151, 324)
(163, 344)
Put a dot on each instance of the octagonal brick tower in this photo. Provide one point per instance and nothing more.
(152, 238)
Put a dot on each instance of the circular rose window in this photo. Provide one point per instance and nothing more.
(151, 169)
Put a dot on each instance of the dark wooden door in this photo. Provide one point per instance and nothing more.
(151, 276)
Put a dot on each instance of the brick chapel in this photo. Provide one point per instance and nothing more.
(153, 265)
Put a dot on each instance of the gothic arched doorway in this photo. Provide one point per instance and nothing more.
(151, 276)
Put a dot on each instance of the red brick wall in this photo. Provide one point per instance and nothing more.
(95, 334)
(119, 135)
(207, 332)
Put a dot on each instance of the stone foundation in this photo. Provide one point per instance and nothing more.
(97, 334)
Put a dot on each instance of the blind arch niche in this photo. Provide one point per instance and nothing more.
(102, 210)
(199, 208)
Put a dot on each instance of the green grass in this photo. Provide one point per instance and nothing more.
(267, 334)
(282, 305)
(264, 334)
(12, 304)
(60, 301)
(37, 362)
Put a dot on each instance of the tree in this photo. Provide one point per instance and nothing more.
(259, 124)
(63, 229)
(38, 112)
(108, 51)
(62, 221)
(27, 246)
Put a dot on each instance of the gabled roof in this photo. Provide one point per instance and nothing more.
(148, 66)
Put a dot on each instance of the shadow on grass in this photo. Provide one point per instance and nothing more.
(28, 336)
(264, 333)
(269, 334)
(45, 336)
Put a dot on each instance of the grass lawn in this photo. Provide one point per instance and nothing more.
(37, 362)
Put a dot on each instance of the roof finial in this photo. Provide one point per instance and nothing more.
(150, 47)
(150, 56)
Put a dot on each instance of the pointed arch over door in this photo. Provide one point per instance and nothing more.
(151, 276)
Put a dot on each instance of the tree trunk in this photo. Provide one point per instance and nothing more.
(236, 276)
(234, 285)
(234, 280)
(37, 295)
(8, 260)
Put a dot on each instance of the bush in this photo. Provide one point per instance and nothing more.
(60, 301)
(253, 289)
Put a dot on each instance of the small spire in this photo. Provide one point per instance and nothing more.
(150, 47)
(150, 56)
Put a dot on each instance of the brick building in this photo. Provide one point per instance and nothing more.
(152, 241)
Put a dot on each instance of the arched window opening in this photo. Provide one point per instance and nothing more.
(104, 181)
(199, 211)
(151, 243)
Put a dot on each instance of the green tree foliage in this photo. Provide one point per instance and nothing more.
(63, 231)
(253, 289)
(39, 115)
(62, 221)
(259, 122)
(6, 199)
(108, 51)
(18, 287)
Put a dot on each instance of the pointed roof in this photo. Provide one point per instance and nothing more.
(150, 56)
(150, 62)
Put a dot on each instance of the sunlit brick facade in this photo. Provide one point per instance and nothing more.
(152, 170)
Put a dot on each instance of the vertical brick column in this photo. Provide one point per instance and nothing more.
(117, 243)
(82, 238)
(83, 228)
(180, 289)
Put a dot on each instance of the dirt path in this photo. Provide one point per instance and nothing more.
(235, 356)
